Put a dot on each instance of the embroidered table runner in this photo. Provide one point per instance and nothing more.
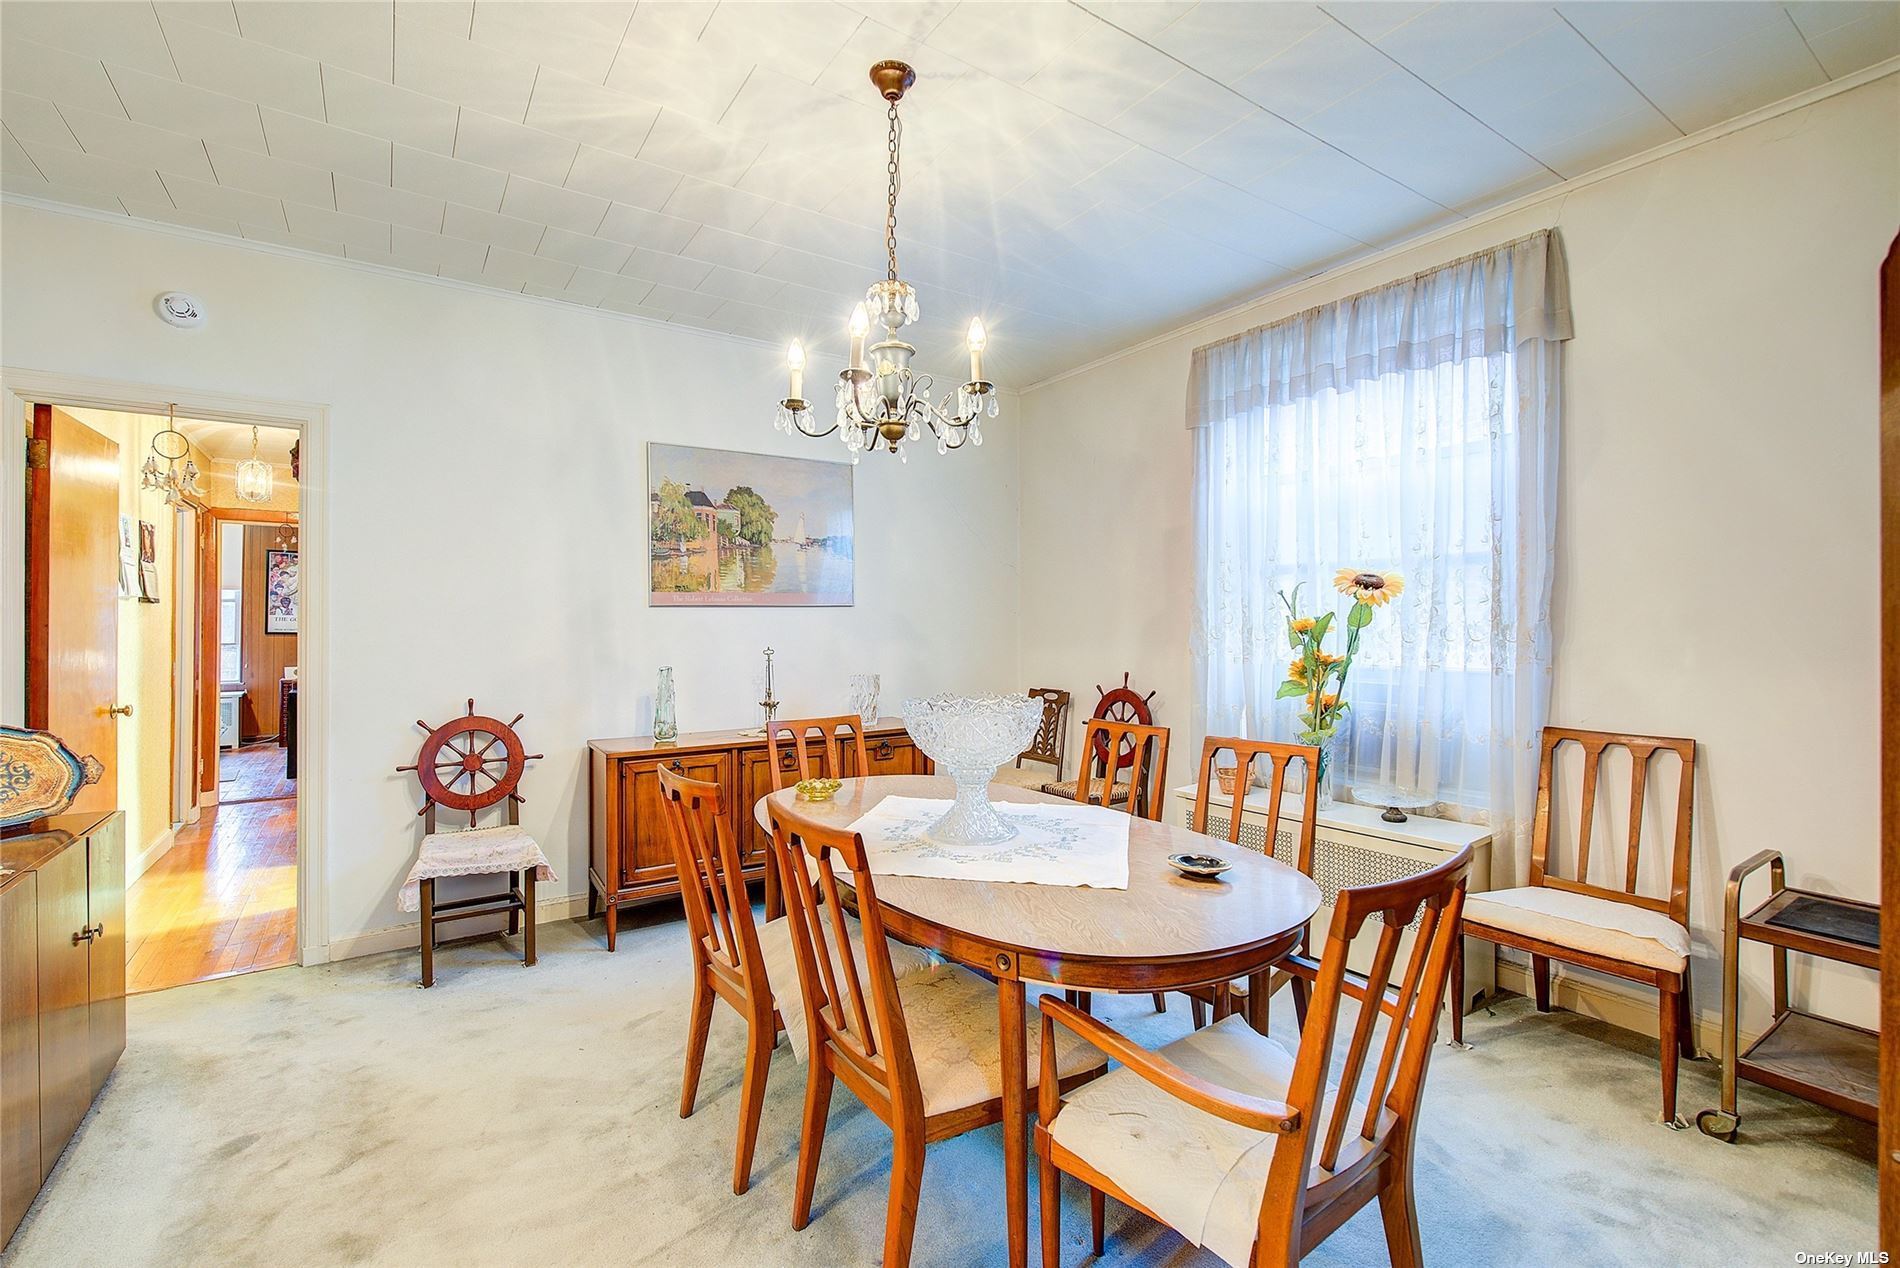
(1055, 844)
(475, 852)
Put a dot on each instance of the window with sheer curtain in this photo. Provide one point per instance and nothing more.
(1414, 429)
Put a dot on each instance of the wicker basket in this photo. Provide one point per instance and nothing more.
(1225, 776)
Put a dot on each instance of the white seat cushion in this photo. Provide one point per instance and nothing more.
(1028, 775)
(1203, 1175)
(781, 970)
(1583, 922)
(951, 1015)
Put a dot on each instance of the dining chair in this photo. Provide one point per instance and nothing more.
(1277, 758)
(728, 961)
(1612, 929)
(1114, 747)
(796, 735)
(1045, 746)
(1247, 1147)
(922, 1052)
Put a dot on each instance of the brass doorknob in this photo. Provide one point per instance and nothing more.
(120, 710)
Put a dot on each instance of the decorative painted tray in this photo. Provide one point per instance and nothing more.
(39, 776)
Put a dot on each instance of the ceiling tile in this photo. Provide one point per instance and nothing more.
(686, 78)
(123, 32)
(450, 179)
(219, 15)
(37, 119)
(440, 64)
(815, 233)
(698, 149)
(1101, 73)
(61, 166)
(30, 184)
(438, 249)
(1324, 67)
(734, 284)
(316, 144)
(1138, 178)
(372, 200)
(639, 227)
(576, 39)
(589, 286)
(1248, 149)
(337, 226)
(718, 205)
(730, 250)
(1183, 113)
(663, 266)
(274, 177)
(512, 268)
(787, 111)
(1847, 37)
(277, 235)
(626, 292)
(455, 17)
(1144, 19)
(178, 107)
(1249, 225)
(208, 199)
(1011, 42)
(551, 205)
(513, 147)
(1603, 143)
(690, 303)
(355, 36)
(1228, 40)
(165, 213)
(388, 259)
(137, 145)
(621, 179)
(39, 70)
(848, 76)
(1342, 193)
(1436, 41)
(584, 250)
(913, 19)
(211, 58)
(382, 109)
(795, 37)
(496, 230)
(590, 114)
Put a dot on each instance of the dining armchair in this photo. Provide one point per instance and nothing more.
(1251, 996)
(1610, 928)
(922, 1052)
(1247, 1147)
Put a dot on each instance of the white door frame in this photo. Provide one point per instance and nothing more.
(20, 389)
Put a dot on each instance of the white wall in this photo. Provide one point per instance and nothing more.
(487, 500)
(1717, 543)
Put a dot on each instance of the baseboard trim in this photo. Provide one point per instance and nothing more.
(407, 937)
(141, 862)
(1624, 1005)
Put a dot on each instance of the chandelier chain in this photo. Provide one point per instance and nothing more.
(890, 210)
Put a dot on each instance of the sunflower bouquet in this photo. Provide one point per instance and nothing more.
(1317, 676)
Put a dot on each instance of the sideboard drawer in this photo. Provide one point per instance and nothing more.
(887, 755)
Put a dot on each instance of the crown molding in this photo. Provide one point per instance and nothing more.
(1563, 189)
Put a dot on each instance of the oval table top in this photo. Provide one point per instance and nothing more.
(1164, 932)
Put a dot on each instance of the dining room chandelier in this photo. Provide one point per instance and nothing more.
(254, 476)
(178, 479)
(880, 400)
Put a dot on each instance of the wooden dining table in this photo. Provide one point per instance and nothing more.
(1165, 932)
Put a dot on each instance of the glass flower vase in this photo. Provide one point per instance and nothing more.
(864, 693)
(666, 725)
(1332, 749)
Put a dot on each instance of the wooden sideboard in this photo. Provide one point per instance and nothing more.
(62, 990)
(630, 859)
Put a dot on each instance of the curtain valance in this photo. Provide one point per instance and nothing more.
(1474, 307)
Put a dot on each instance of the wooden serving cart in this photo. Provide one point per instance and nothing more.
(1825, 1061)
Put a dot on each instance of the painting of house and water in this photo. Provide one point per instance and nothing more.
(747, 529)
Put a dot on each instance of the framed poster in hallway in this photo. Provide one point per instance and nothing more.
(280, 592)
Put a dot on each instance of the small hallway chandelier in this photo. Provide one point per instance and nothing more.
(254, 476)
(881, 401)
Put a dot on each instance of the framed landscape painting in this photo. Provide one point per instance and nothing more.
(729, 529)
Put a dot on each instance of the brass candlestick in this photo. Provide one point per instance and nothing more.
(769, 704)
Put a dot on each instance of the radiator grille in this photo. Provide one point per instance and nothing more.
(1336, 864)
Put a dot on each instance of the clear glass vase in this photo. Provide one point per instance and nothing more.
(864, 693)
(665, 722)
(1332, 751)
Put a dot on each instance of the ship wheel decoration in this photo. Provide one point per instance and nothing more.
(1121, 704)
(471, 762)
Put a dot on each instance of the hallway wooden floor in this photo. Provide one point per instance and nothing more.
(222, 900)
(254, 773)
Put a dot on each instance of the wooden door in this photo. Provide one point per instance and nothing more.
(265, 655)
(646, 856)
(72, 594)
(105, 907)
(1890, 747)
(65, 1001)
(19, 1052)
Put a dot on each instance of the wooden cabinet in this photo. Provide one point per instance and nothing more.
(630, 859)
(62, 990)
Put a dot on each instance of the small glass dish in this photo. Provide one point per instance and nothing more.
(1201, 866)
(817, 789)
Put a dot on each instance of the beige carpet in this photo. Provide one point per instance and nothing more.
(341, 1116)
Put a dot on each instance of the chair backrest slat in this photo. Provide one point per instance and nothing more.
(712, 882)
(820, 738)
(1148, 746)
(1642, 750)
(1278, 757)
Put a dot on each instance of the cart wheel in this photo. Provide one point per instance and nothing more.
(1718, 1124)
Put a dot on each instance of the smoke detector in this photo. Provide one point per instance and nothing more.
(181, 310)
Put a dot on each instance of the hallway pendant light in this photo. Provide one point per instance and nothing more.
(253, 476)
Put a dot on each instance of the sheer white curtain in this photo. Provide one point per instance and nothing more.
(1413, 428)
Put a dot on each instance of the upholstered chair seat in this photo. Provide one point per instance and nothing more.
(1066, 788)
(781, 969)
(1582, 922)
(951, 1014)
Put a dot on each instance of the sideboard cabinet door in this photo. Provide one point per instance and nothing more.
(20, 1173)
(65, 1002)
(646, 856)
(105, 904)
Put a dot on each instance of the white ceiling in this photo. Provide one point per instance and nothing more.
(231, 442)
(1081, 175)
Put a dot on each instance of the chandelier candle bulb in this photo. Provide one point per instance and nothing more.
(977, 340)
(795, 358)
(860, 327)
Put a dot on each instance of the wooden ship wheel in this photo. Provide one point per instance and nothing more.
(1120, 704)
(470, 763)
